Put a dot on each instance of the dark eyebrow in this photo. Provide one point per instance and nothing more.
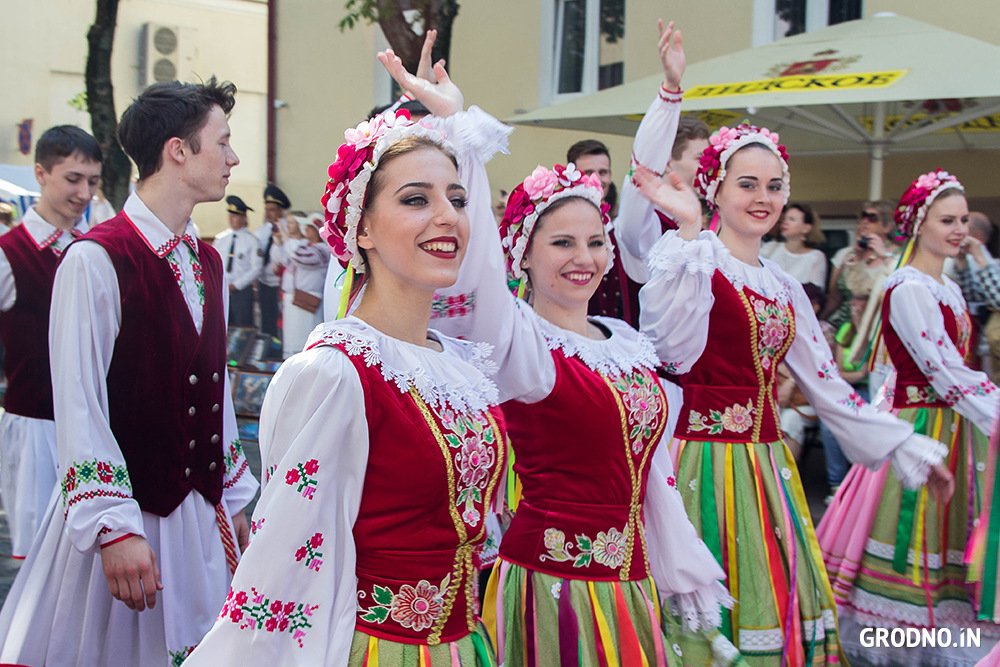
(456, 187)
(425, 186)
(752, 178)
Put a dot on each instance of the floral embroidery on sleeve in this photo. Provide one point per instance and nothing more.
(103, 476)
(853, 401)
(309, 552)
(455, 305)
(301, 477)
(236, 464)
(177, 658)
(255, 611)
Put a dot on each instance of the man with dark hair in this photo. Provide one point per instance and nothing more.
(241, 259)
(68, 171)
(592, 157)
(153, 474)
(689, 143)
(276, 205)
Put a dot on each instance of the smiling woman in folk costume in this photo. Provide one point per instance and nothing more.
(895, 556)
(600, 534)
(382, 441)
(722, 321)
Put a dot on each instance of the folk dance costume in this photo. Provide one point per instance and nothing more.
(348, 564)
(600, 533)
(305, 270)
(895, 556)
(134, 310)
(738, 480)
(28, 458)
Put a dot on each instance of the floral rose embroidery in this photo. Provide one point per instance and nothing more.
(609, 548)
(738, 418)
(416, 607)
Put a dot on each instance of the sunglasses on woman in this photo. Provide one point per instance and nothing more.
(869, 216)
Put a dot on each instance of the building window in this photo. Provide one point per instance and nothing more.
(587, 47)
(777, 19)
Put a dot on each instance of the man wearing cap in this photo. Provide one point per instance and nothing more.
(242, 260)
(276, 205)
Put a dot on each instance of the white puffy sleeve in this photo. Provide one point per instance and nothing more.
(637, 227)
(867, 436)
(294, 595)
(8, 290)
(685, 571)
(238, 483)
(85, 318)
(916, 317)
(679, 291)
(479, 306)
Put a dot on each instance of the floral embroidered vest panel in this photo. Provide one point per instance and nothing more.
(24, 329)
(431, 477)
(165, 381)
(913, 389)
(730, 393)
(583, 456)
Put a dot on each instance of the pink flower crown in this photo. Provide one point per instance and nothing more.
(722, 145)
(913, 205)
(349, 175)
(530, 199)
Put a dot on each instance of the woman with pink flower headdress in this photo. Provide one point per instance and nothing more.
(722, 321)
(599, 535)
(382, 443)
(895, 555)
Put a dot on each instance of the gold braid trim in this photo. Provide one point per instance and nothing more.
(766, 387)
(463, 565)
(635, 524)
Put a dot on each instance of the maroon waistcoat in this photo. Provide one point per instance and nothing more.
(165, 382)
(24, 329)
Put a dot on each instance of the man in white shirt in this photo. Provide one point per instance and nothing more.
(276, 205)
(242, 259)
(68, 171)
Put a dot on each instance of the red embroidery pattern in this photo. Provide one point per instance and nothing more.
(301, 477)
(95, 493)
(255, 526)
(94, 472)
(257, 612)
(455, 305)
(177, 658)
(233, 458)
(308, 552)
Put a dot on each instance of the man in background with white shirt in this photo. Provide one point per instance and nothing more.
(68, 171)
(241, 258)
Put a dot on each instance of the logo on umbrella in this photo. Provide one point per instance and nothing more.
(823, 62)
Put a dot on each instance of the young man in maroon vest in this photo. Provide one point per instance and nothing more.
(153, 477)
(68, 170)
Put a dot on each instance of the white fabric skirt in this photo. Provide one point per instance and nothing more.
(59, 610)
(28, 463)
(297, 324)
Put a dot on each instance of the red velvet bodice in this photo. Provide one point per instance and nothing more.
(912, 389)
(431, 476)
(730, 392)
(583, 455)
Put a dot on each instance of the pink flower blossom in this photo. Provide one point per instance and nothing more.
(311, 466)
(292, 476)
(541, 183)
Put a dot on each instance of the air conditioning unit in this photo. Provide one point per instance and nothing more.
(163, 53)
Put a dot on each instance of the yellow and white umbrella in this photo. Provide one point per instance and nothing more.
(866, 86)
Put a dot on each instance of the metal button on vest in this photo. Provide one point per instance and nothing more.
(191, 445)
(187, 472)
(212, 466)
(215, 408)
(215, 438)
(191, 411)
(193, 379)
(215, 377)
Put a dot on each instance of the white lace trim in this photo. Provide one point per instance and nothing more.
(880, 611)
(773, 639)
(672, 255)
(950, 294)
(456, 378)
(913, 459)
(625, 351)
(702, 609)
(887, 552)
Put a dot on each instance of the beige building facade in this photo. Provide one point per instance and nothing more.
(503, 56)
(46, 52)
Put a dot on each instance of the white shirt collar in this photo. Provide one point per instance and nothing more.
(158, 238)
(44, 234)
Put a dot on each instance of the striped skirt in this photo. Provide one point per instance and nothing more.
(897, 557)
(747, 503)
(473, 650)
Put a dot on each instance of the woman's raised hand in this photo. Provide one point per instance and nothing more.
(436, 91)
(671, 55)
(672, 195)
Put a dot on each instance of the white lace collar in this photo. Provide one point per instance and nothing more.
(456, 378)
(948, 293)
(707, 253)
(625, 351)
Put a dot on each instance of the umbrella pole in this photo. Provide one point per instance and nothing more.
(877, 153)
